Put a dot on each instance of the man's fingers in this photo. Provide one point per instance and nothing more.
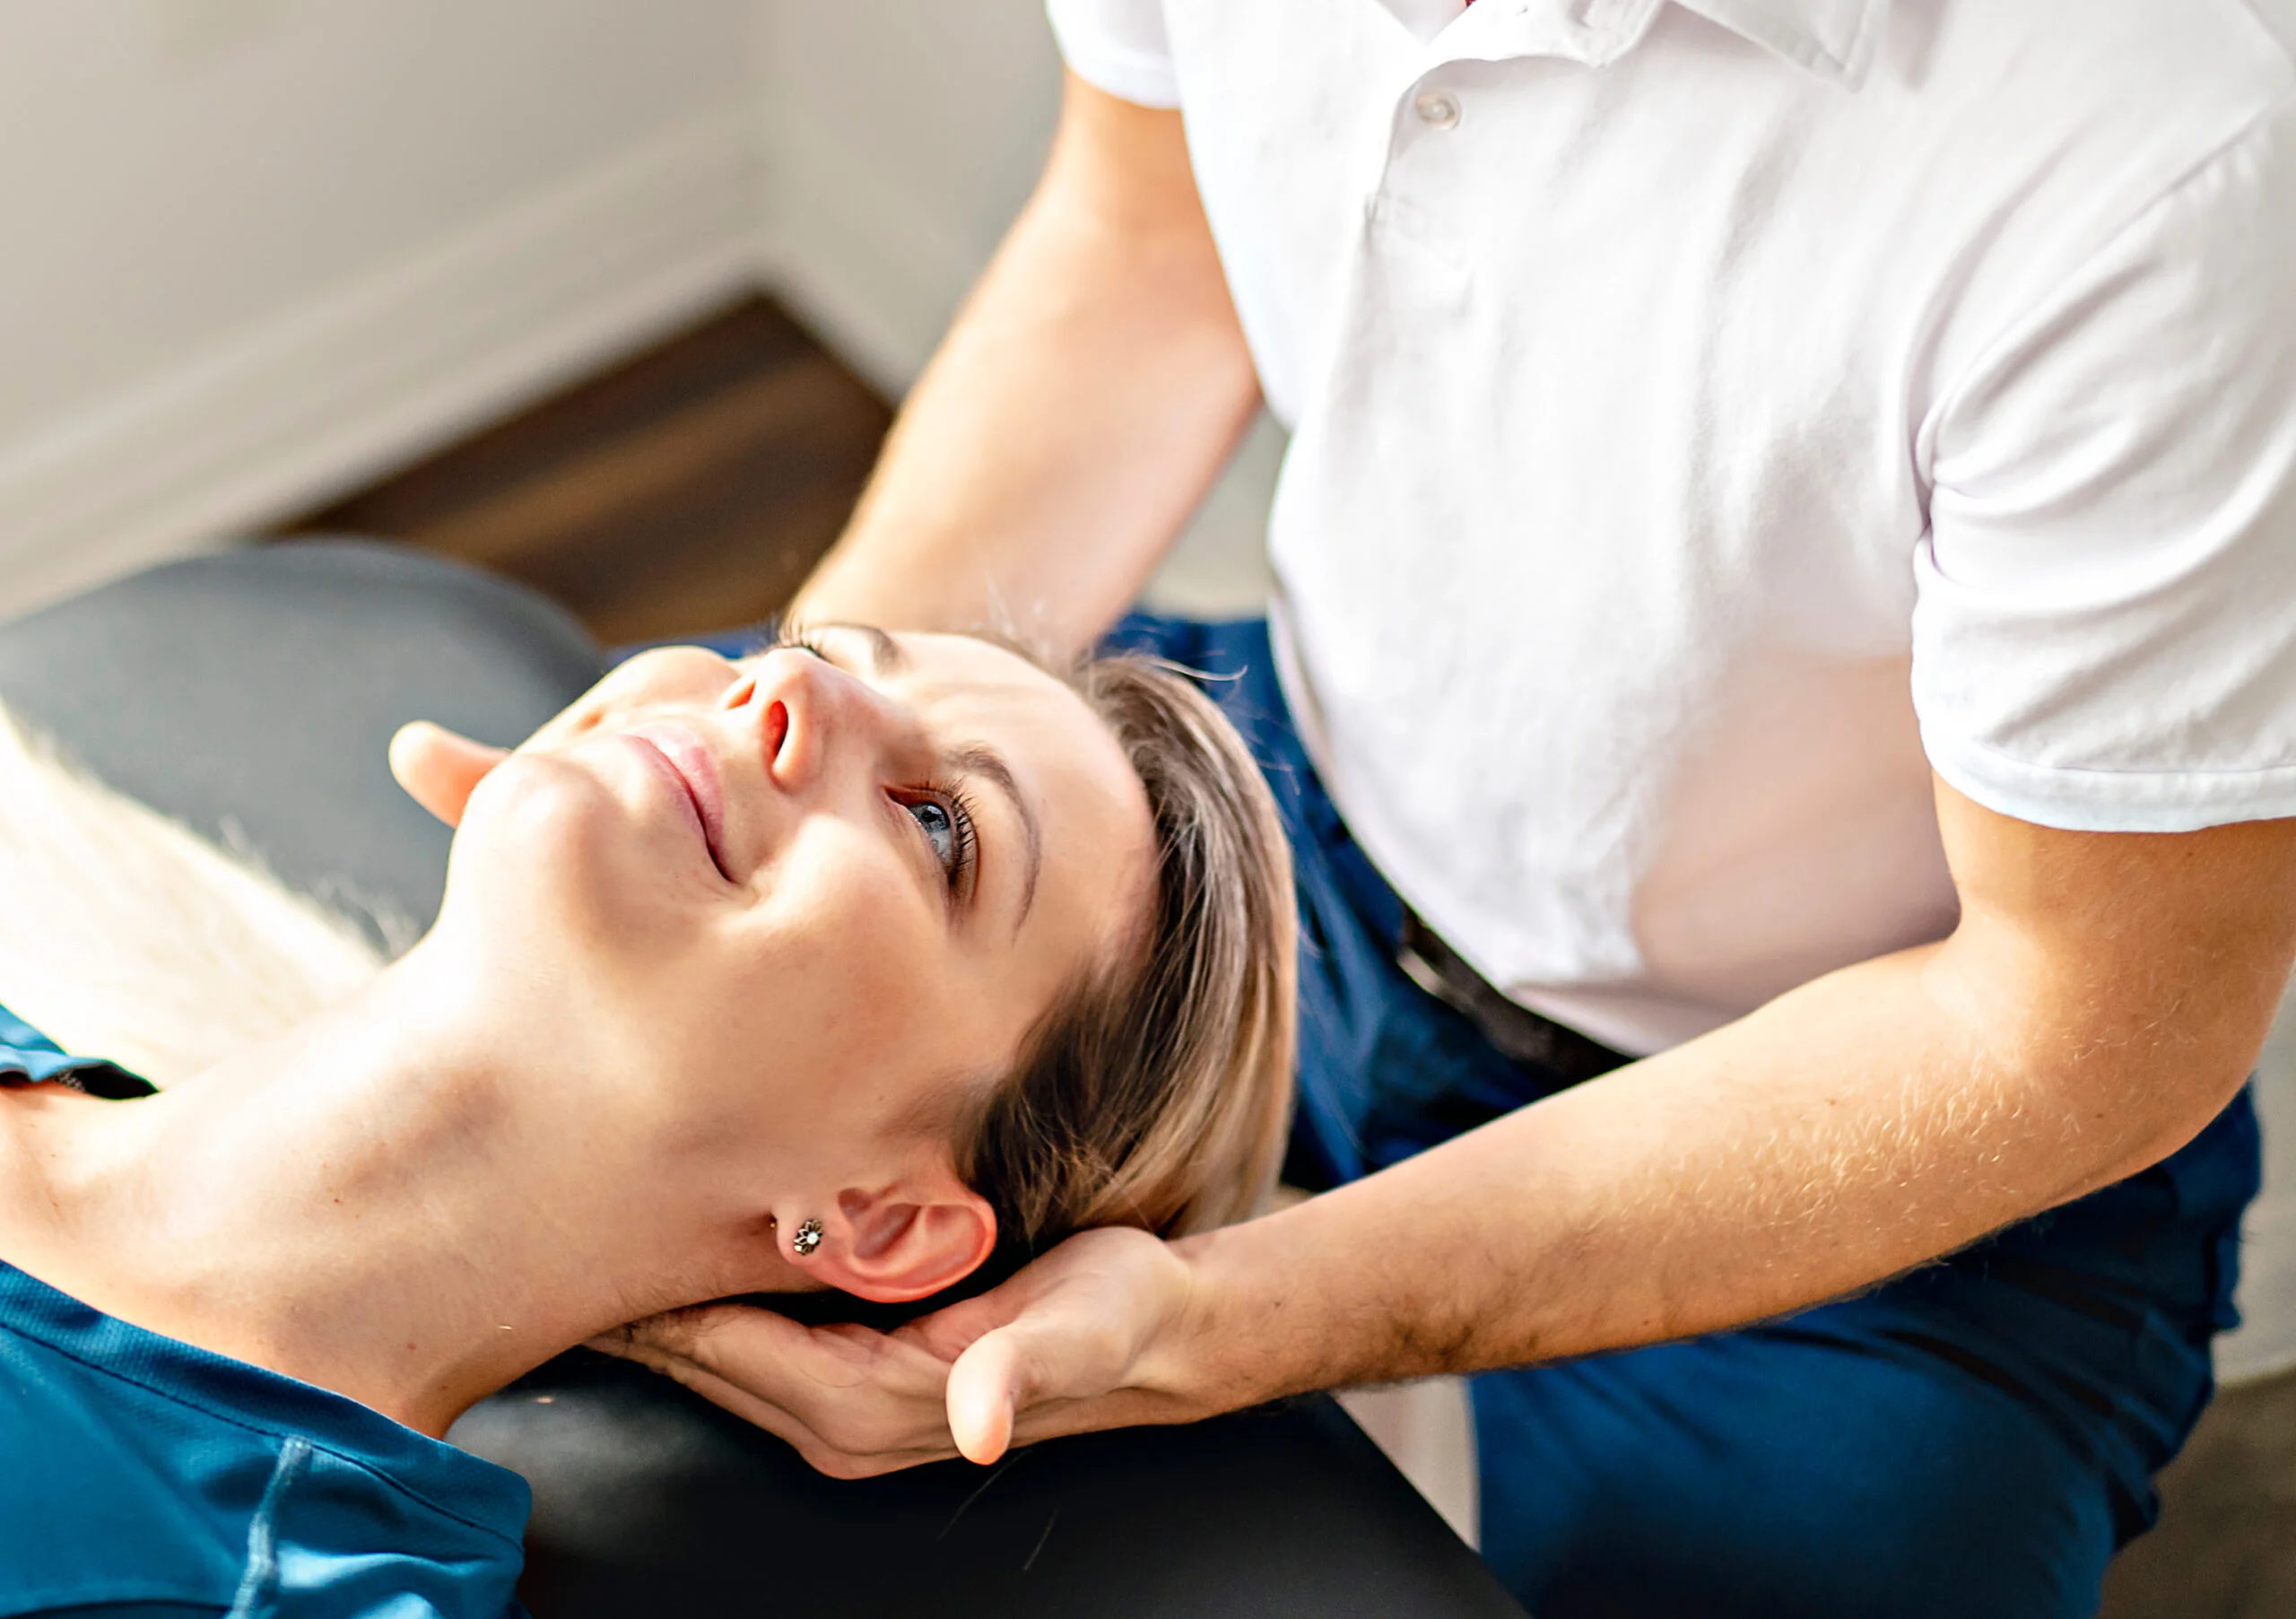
(853, 1401)
(439, 768)
(707, 1331)
(818, 1453)
(774, 1357)
(684, 1334)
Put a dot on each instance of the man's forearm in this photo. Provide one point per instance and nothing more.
(1846, 1133)
(1083, 402)
(2103, 998)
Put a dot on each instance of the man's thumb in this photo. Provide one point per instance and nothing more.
(984, 1393)
(439, 768)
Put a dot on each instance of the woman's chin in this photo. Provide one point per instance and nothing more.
(570, 868)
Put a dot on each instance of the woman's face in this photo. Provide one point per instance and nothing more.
(838, 882)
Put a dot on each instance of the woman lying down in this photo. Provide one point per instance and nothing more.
(853, 965)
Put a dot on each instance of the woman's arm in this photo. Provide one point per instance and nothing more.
(2103, 997)
(1085, 398)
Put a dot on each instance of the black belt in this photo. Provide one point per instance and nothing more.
(1515, 1030)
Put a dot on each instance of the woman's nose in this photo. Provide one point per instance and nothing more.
(809, 715)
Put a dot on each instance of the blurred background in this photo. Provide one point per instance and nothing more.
(618, 299)
(314, 264)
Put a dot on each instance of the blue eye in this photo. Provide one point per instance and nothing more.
(940, 830)
(947, 821)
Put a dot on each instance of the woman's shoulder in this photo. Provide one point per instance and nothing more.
(137, 1470)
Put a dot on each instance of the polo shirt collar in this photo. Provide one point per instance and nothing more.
(1834, 40)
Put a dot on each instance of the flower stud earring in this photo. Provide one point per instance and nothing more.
(807, 1238)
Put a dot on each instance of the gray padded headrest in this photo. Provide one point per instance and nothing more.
(252, 695)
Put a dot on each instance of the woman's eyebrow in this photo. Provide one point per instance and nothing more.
(979, 759)
(885, 654)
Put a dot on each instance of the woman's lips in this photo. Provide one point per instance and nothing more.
(696, 774)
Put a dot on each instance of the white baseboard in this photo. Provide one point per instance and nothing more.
(2265, 1344)
(321, 397)
(1427, 1429)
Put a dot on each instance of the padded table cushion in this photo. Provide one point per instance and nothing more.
(251, 695)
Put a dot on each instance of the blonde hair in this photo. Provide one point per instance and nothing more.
(129, 936)
(1156, 1092)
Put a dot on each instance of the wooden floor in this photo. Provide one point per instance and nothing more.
(688, 489)
(692, 487)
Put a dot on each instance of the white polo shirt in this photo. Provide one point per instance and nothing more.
(1711, 417)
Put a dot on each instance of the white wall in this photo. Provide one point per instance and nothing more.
(900, 138)
(2266, 1341)
(256, 249)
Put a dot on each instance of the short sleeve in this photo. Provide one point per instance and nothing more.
(2105, 630)
(1117, 46)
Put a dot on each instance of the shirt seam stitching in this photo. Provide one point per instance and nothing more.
(1969, 746)
(2003, 334)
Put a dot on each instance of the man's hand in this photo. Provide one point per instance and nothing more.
(441, 768)
(1074, 1341)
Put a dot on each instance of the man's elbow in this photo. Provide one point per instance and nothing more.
(2143, 1094)
(2127, 979)
(2122, 1069)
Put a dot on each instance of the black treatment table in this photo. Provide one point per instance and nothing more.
(251, 695)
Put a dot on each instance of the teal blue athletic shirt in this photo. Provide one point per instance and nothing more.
(143, 1478)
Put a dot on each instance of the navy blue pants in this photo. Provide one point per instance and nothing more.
(1974, 1438)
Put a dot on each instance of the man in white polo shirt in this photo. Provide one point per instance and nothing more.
(1788, 570)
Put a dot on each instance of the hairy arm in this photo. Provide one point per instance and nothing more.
(1083, 402)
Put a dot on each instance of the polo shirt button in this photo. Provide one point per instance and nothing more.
(1439, 107)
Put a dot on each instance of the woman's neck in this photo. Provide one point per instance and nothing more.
(381, 1202)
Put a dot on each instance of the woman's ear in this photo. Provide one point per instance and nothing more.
(438, 768)
(908, 1241)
